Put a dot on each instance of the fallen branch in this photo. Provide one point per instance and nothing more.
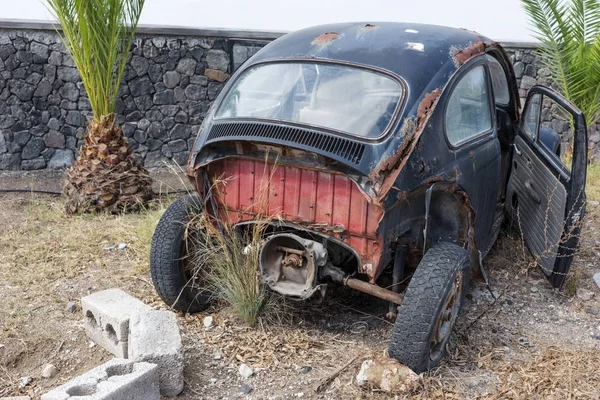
(325, 381)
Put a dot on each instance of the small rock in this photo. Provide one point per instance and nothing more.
(386, 374)
(596, 278)
(245, 371)
(305, 370)
(245, 388)
(592, 311)
(300, 394)
(534, 289)
(122, 246)
(523, 341)
(208, 322)
(24, 381)
(49, 371)
(584, 294)
(71, 307)
(213, 381)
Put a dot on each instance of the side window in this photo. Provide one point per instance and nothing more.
(531, 116)
(550, 125)
(499, 82)
(468, 112)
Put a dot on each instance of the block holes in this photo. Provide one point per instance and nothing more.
(91, 319)
(116, 370)
(112, 335)
(85, 389)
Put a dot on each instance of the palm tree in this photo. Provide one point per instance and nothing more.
(570, 36)
(98, 35)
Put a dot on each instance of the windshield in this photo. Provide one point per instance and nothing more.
(349, 99)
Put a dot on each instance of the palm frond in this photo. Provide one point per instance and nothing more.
(570, 36)
(98, 35)
(548, 19)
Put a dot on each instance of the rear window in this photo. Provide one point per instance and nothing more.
(354, 100)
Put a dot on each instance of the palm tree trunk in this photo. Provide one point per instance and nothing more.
(106, 175)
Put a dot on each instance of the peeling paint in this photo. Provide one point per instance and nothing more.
(463, 55)
(411, 131)
(369, 27)
(325, 38)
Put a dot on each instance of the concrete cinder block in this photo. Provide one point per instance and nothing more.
(154, 337)
(117, 379)
(107, 318)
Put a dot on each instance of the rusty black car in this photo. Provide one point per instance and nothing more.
(395, 152)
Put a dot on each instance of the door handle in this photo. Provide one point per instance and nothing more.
(532, 192)
(517, 150)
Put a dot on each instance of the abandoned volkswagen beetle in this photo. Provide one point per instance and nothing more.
(388, 155)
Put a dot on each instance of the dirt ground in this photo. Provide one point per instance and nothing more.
(532, 342)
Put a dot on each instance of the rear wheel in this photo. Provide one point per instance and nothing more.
(171, 266)
(430, 307)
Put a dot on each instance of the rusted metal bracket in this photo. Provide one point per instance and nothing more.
(428, 195)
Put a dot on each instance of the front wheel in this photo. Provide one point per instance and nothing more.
(430, 307)
(171, 264)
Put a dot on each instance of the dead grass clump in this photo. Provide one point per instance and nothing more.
(228, 261)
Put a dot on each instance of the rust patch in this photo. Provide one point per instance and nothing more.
(325, 38)
(369, 27)
(426, 106)
(444, 177)
(464, 55)
(411, 131)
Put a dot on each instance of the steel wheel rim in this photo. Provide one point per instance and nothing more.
(445, 322)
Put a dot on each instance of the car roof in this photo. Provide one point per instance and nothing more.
(415, 52)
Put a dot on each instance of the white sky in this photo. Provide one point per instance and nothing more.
(502, 20)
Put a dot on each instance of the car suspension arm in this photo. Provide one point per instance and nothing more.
(338, 276)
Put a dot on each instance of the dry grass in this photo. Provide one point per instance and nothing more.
(593, 183)
(54, 244)
(229, 263)
(43, 248)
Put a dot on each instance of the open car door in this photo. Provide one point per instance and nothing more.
(546, 189)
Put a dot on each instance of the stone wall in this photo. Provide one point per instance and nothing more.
(171, 79)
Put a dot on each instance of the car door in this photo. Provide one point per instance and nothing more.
(546, 189)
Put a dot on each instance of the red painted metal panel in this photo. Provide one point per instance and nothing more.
(341, 201)
(324, 204)
(302, 196)
(291, 193)
(308, 194)
(277, 191)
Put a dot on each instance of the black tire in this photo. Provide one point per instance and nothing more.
(168, 254)
(443, 273)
